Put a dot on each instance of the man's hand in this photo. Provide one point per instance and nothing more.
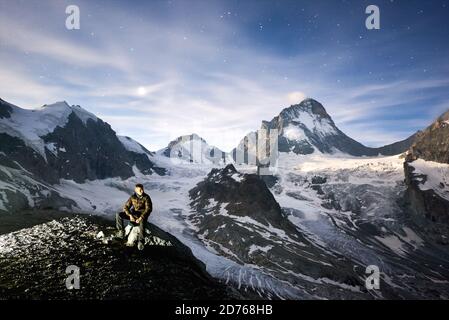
(131, 218)
(139, 220)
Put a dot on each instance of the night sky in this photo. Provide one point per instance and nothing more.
(155, 70)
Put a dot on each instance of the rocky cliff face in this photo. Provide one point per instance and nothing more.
(426, 172)
(425, 202)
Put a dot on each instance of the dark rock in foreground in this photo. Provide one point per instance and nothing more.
(33, 264)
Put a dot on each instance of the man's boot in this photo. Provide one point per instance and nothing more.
(120, 235)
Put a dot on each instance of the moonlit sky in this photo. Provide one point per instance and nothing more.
(155, 70)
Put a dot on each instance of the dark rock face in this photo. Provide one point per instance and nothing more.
(431, 145)
(33, 263)
(318, 180)
(93, 151)
(15, 154)
(425, 203)
(249, 197)
(5, 109)
(313, 129)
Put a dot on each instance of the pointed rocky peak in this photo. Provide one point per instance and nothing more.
(229, 169)
(298, 122)
(226, 175)
(306, 128)
(308, 106)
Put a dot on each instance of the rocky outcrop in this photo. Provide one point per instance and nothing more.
(432, 144)
(427, 203)
(33, 264)
(5, 109)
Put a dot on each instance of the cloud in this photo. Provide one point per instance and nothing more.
(28, 91)
(26, 39)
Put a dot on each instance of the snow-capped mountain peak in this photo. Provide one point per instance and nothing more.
(57, 104)
(309, 106)
(30, 125)
(307, 115)
(63, 108)
(193, 149)
(307, 128)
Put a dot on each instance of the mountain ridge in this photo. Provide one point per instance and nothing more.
(306, 128)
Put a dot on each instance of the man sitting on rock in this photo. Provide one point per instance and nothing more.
(137, 209)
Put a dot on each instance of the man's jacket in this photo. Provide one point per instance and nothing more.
(142, 204)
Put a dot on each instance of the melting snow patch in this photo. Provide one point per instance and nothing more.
(237, 177)
(294, 133)
(254, 248)
(393, 243)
